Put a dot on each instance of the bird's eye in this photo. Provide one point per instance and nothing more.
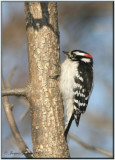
(74, 55)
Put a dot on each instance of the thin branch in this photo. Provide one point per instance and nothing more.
(25, 114)
(27, 104)
(14, 92)
(10, 77)
(21, 144)
(87, 146)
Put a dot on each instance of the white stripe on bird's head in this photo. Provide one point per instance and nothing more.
(85, 60)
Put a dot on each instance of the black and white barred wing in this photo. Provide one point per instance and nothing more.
(82, 91)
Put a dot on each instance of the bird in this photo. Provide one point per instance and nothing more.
(76, 83)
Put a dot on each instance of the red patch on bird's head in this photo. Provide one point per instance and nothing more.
(88, 55)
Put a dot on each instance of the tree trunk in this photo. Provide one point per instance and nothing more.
(46, 103)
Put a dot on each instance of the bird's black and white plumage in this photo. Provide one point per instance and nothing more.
(76, 83)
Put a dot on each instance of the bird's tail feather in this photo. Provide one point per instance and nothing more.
(68, 126)
(77, 118)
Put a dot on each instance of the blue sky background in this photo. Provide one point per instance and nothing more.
(83, 25)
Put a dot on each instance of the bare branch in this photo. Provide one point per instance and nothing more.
(14, 92)
(10, 77)
(25, 114)
(25, 102)
(87, 146)
(21, 144)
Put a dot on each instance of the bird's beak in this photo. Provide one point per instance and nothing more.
(65, 52)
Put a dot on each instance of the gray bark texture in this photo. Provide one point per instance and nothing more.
(46, 109)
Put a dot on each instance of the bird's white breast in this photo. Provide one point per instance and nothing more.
(68, 72)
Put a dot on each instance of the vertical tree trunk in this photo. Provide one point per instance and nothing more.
(44, 96)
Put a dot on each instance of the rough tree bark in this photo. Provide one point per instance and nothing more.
(44, 96)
